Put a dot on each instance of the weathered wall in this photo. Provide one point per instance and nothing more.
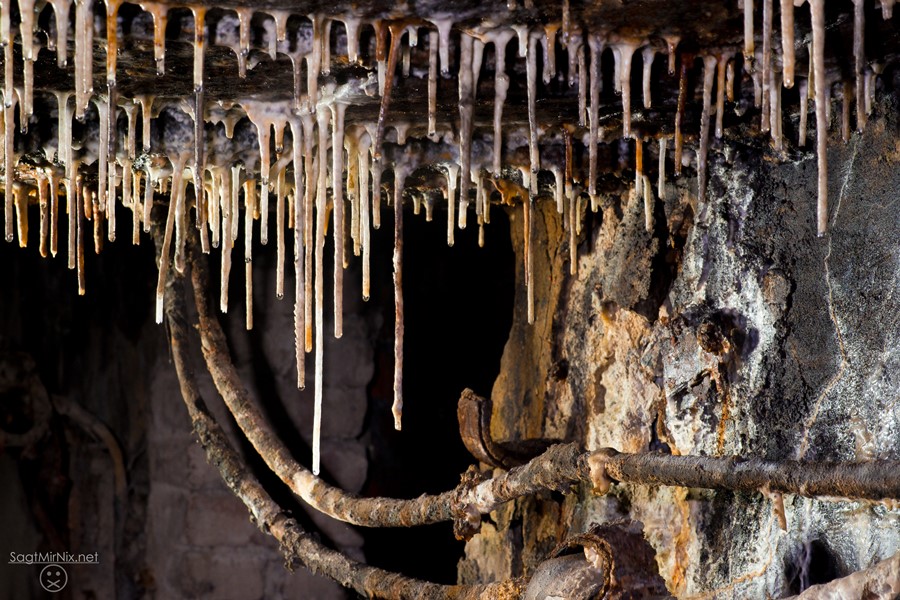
(200, 539)
(176, 531)
(732, 330)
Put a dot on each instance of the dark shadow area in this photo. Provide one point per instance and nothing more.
(458, 312)
(812, 564)
(88, 351)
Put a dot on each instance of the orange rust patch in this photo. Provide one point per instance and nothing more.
(723, 421)
(682, 560)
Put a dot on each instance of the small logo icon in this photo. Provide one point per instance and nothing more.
(53, 578)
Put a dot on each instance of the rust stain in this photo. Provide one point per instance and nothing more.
(723, 421)
(510, 191)
(681, 541)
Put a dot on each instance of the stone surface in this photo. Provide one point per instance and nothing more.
(227, 576)
(763, 340)
(201, 541)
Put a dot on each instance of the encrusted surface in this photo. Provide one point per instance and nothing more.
(765, 342)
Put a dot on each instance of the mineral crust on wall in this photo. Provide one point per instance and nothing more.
(704, 262)
(742, 336)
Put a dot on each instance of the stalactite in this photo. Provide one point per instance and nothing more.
(248, 257)
(432, 81)
(279, 234)
(570, 188)
(787, 42)
(709, 65)
(805, 88)
(528, 233)
(234, 198)
(84, 52)
(859, 59)
(501, 86)
(337, 193)
(533, 153)
(596, 79)
(44, 205)
(351, 26)
(476, 178)
(817, 10)
(870, 91)
(112, 11)
(647, 190)
(61, 11)
(477, 61)
(199, 53)
(623, 60)
(679, 111)
(766, 71)
(177, 169)
(573, 232)
(263, 133)
(103, 159)
(380, 53)
(466, 113)
(244, 15)
(397, 407)
(129, 194)
(377, 169)
(179, 190)
(351, 147)
(72, 219)
(550, 31)
(661, 183)
(326, 46)
(396, 30)
(748, 31)
(321, 218)
(79, 209)
(775, 109)
(638, 166)
(558, 188)
(452, 175)
(364, 227)
(96, 219)
(225, 205)
(583, 85)
(722, 60)
(297, 139)
(26, 30)
(647, 55)
(9, 148)
(314, 63)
